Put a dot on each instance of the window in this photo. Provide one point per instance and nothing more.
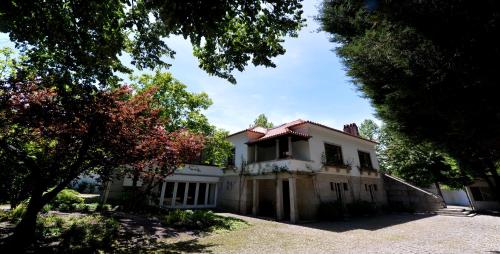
(191, 193)
(169, 193)
(179, 199)
(211, 194)
(345, 187)
(374, 187)
(331, 186)
(231, 159)
(333, 155)
(365, 160)
(201, 194)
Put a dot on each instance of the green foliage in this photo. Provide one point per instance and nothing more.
(369, 129)
(262, 121)
(217, 149)
(426, 68)
(331, 211)
(419, 163)
(65, 199)
(15, 214)
(84, 39)
(80, 234)
(182, 108)
(204, 220)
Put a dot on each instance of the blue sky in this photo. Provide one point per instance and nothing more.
(309, 82)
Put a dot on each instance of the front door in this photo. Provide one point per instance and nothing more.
(371, 189)
(338, 191)
(286, 201)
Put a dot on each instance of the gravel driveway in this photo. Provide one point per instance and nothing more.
(382, 234)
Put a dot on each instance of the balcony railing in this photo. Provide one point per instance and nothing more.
(280, 165)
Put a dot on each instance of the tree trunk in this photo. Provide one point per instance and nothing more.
(440, 193)
(24, 233)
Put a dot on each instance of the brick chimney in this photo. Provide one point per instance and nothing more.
(352, 129)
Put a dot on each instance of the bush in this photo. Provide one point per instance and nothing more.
(78, 234)
(361, 207)
(67, 197)
(89, 233)
(331, 211)
(201, 220)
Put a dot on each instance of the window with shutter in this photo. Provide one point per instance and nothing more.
(333, 155)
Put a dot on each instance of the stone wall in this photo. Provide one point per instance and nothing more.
(403, 194)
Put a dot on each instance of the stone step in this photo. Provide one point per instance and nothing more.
(455, 212)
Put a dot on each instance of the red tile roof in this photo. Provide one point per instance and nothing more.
(289, 129)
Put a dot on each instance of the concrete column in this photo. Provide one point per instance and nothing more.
(206, 193)
(292, 185)
(196, 194)
(184, 203)
(279, 199)
(290, 147)
(243, 196)
(277, 148)
(255, 153)
(255, 207)
(174, 197)
(215, 194)
(162, 194)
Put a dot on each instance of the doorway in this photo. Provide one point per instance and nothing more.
(286, 201)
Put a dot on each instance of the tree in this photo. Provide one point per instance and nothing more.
(369, 129)
(262, 121)
(427, 68)
(217, 149)
(84, 39)
(418, 163)
(183, 110)
(56, 135)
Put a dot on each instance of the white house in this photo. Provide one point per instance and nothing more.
(288, 170)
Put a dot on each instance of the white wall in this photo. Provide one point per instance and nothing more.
(241, 153)
(455, 197)
(313, 148)
(350, 146)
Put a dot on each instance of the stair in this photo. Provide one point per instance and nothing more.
(457, 212)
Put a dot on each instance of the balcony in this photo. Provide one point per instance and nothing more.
(280, 165)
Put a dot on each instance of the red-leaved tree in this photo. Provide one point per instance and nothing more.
(56, 133)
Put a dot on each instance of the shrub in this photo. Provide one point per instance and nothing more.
(78, 234)
(201, 220)
(89, 233)
(331, 211)
(49, 226)
(67, 197)
(361, 207)
(18, 211)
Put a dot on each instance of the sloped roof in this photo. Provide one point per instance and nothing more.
(288, 129)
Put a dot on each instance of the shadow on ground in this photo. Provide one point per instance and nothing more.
(187, 246)
(143, 235)
(370, 223)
